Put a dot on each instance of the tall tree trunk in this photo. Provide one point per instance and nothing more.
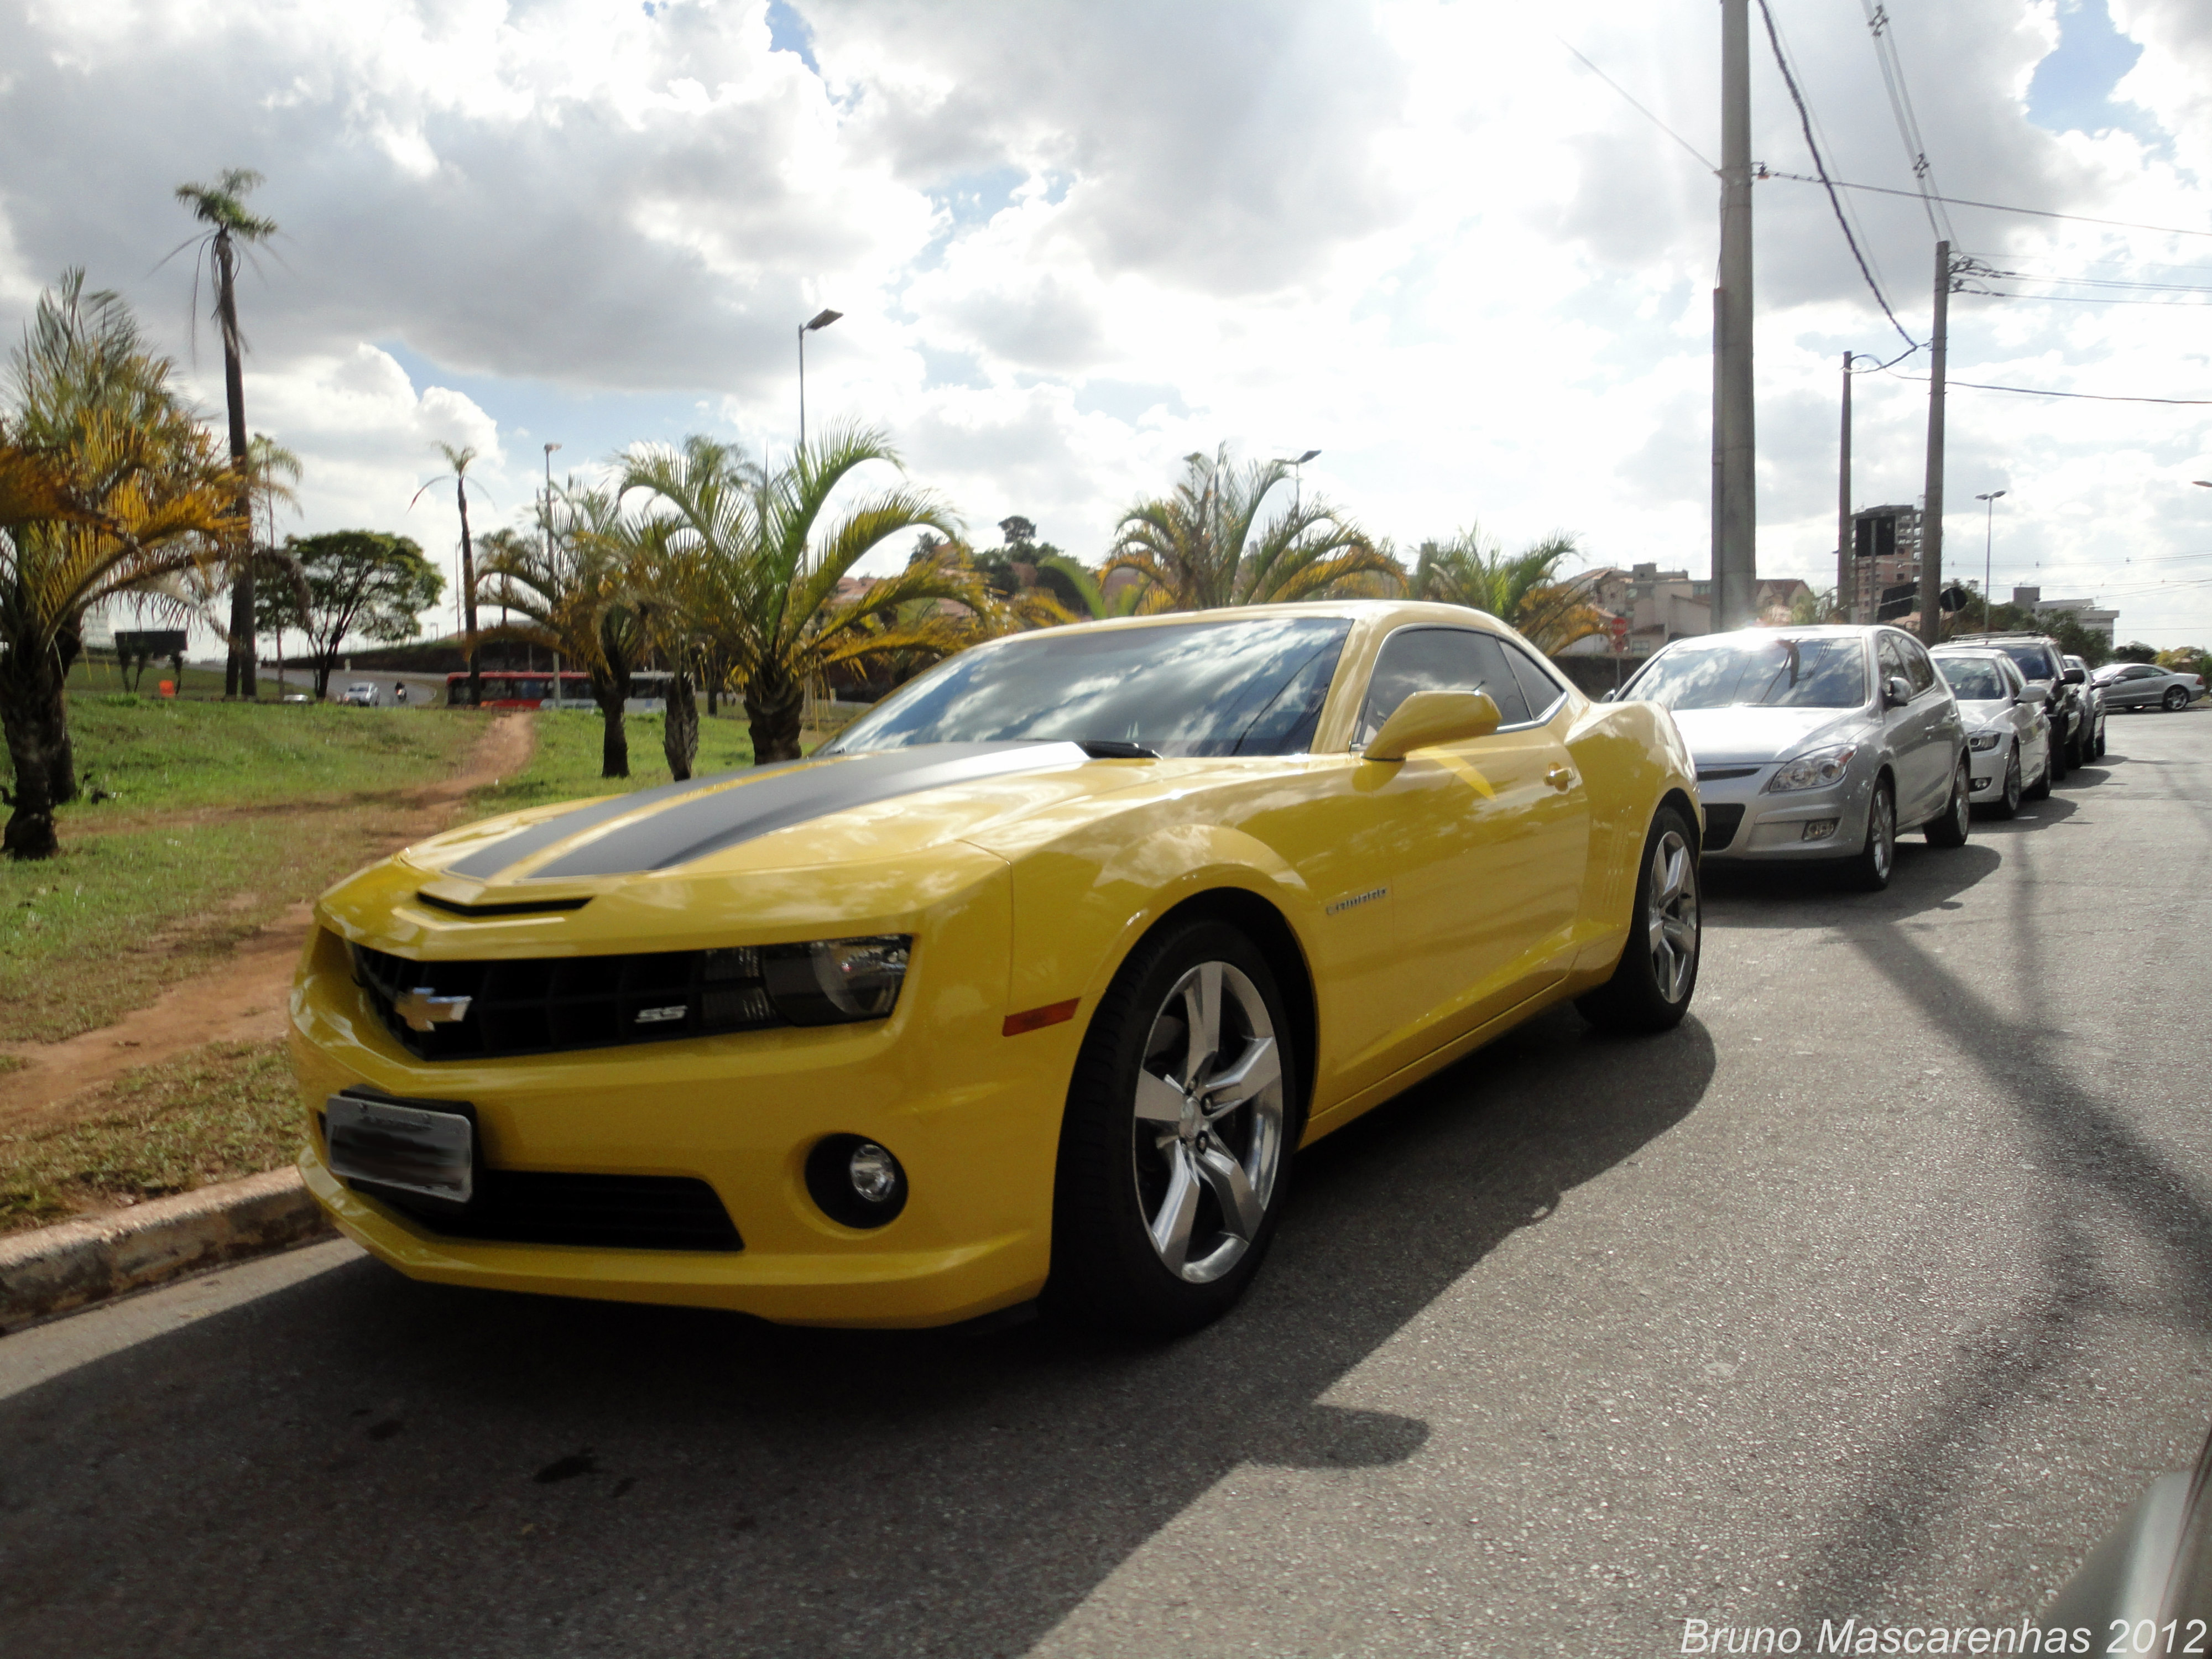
(61, 766)
(27, 705)
(469, 595)
(679, 731)
(774, 701)
(241, 675)
(608, 688)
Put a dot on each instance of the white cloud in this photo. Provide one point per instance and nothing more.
(1073, 242)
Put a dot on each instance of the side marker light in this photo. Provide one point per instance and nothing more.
(1036, 1019)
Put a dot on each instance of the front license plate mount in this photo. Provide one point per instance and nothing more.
(425, 1149)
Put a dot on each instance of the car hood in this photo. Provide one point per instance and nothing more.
(1978, 715)
(1752, 735)
(863, 836)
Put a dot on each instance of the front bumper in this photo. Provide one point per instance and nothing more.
(972, 1115)
(1761, 828)
(1987, 766)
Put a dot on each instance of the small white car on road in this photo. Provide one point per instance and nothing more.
(2007, 732)
(360, 693)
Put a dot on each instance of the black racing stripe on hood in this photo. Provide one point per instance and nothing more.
(691, 829)
(488, 860)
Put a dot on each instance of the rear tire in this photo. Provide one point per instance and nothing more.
(1877, 861)
(2176, 699)
(1657, 973)
(1952, 826)
(1167, 1195)
(2007, 805)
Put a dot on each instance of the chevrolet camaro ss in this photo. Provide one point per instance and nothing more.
(1028, 986)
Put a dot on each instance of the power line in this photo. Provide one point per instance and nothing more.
(1637, 108)
(2037, 392)
(1994, 207)
(1908, 123)
(2082, 299)
(1805, 121)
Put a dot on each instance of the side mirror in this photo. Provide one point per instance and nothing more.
(2034, 691)
(1896, 691)
(1429, 718)
(2075, 677)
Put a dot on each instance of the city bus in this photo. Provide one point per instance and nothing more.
(519, 688)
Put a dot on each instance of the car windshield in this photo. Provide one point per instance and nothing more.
(1250, 687)
(1973, 679)
(2034, 660)
(1776, 673)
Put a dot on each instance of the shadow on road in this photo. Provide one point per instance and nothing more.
(361, 1464)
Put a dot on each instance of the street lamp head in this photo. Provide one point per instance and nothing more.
(1308, 456)
(1991, 496)
(2202, 483)
(550, 448)
(822, 320)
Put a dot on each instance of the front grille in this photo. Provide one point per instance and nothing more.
(550, 1004)
(1720, 824)
(1716, 773)
(614, 1213)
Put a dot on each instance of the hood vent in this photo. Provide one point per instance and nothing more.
(488, 912)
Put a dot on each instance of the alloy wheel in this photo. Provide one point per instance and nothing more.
(1208, 1139)
(1882, 833)
(1671, 922)
(2176, 700)
(2012, 784)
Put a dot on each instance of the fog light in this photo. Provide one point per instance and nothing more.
(1981, 783)
(855, 1181)
(1820, 829)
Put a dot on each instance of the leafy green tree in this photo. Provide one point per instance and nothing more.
(582, 592)
(757, 560)
(1204, 544)
(221, 206)
(109, 490)
(2135, 651)
(1082, 593)
(2075, 641)
(1524, 588)
(359, 584)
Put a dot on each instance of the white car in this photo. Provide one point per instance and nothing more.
(360, 693)
(2007, 731)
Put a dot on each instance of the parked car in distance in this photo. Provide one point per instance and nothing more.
(2145, 685)
(360, 693)
(1815, 741)
(2040, 661)
(2007, 733)
(2094, 748)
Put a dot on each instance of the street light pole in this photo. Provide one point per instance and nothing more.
(821, 320)
(1297, 465)
(545, 528)
(1989, 532)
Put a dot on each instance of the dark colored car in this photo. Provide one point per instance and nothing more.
(2072, 709)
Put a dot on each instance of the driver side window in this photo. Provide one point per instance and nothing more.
(1889, 654)
(1917, 667)
(1439, 659)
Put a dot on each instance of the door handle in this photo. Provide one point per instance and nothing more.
(1560, 777)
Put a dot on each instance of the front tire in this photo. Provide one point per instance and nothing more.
(1657, 973)
(1176, 1150)
(1876, 861)
(1951, 828)
(2007, 805)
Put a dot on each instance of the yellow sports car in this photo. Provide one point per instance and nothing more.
(1028, 986)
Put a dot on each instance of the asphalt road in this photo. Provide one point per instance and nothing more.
(1880, 1289)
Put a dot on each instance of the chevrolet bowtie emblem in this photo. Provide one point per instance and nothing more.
(422, 1008)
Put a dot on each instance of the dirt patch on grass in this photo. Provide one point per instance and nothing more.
(241, 998)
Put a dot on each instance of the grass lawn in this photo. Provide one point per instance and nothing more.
(226, 814)
(225, 1110)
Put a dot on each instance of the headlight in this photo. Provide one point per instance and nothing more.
(1982, 742)
(1816, 771)
(833, 981)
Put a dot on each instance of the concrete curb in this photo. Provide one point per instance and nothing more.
(56, 1268)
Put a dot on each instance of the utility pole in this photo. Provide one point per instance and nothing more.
(1845, 598)
(1735, 533)
(1932, 511)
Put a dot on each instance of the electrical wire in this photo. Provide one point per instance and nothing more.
(1880, 24)
(1805, 122)
(1637, 108)
(2037, 392)
(1994, 207)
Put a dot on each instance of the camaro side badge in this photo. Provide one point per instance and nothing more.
(422, 1008)
(1367, 897)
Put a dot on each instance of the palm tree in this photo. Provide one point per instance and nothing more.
(578, 593)
(1522, 589)
(271, 469)
(1204, 545)
(108, 490)
(457, 462)
(760, 570)
(1078, 582)
(222, 205)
